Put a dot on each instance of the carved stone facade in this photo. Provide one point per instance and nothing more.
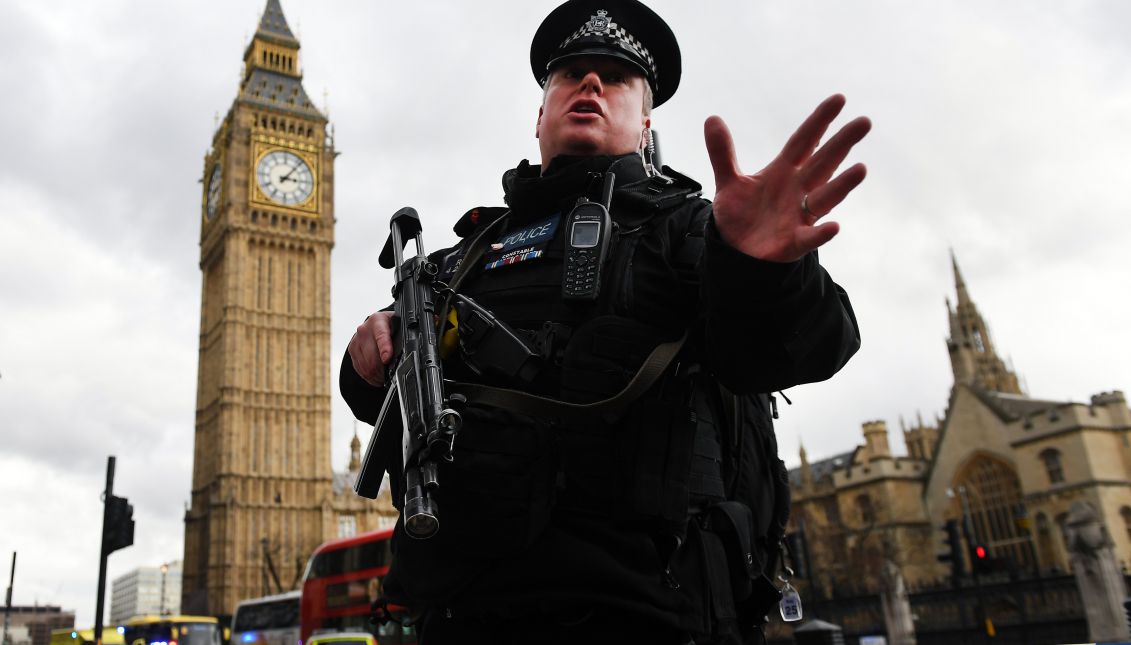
(1017, 463)
(263, 491)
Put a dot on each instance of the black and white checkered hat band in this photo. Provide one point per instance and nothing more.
(620, 36)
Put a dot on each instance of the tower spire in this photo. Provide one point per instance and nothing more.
(273, 25)
(959, 283)
(806, 468)
(972, 356)
(355, 450)
(272, 77)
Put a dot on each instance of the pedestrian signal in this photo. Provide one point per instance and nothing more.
(952, 550)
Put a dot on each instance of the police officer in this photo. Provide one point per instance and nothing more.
(596, 529)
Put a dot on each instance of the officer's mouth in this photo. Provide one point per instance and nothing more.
(585, 110)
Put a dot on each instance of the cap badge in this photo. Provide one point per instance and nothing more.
(599, 22)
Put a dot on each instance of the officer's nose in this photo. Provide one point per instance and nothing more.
(592, 81)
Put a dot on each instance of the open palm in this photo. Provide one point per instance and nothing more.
(773, 214)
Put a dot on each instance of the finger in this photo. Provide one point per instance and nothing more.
(828, 157)
(809, 134)
(810, 238)
(720, 148)
(364, 349)
(370, 363)
(363, 365)
(383, 335)
(829, 196)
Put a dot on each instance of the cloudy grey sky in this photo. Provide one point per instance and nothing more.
(1002, 131)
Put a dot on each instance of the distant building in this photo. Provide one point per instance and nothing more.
(1011, 464)
(17, 635)
(37, 621)
(264, 493)
(146, 590)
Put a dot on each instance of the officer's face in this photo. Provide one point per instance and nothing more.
(592, 106)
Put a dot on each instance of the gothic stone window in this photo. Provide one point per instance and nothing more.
(347, 526)
(994, 494)
(864, 507)
(1055, 470)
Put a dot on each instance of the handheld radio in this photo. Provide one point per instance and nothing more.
(588, 231)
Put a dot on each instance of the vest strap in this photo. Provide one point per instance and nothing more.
(606, 409)
(475, 251)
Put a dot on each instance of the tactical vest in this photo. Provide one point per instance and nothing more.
(693, 464)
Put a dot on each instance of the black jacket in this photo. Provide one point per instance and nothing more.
(535, 515)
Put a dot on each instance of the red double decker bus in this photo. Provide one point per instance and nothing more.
(342, 579)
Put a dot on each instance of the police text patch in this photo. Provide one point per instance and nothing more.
(526, 243)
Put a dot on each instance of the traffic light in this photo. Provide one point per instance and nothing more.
(953, 550)
(118, 532)
(980, 560)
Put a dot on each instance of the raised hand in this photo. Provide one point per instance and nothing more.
(773, 214)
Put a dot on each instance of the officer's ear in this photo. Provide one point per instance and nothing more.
(538, 124)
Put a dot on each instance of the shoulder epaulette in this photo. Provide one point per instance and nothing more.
(660, 191)
(476, 217)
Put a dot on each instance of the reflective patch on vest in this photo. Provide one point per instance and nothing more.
(450, 264)
(527, 243)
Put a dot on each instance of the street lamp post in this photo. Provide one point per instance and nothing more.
(8, 600)
(164, 571)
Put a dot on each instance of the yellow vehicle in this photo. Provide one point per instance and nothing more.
(342, 638)
(171, 630)
(110, 636)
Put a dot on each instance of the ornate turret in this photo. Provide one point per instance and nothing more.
(355, 452)
(972, 356)
(920, 440)
(806, 470)
(876, 440)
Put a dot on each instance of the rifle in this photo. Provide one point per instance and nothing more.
(428, 418)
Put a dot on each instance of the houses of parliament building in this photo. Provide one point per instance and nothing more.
(1009, 465)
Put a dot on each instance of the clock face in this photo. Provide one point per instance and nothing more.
(284, 177)
(213, 202)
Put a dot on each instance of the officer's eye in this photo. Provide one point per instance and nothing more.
(613, 77)
(573, 73)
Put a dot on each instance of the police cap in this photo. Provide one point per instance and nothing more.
(624, 29)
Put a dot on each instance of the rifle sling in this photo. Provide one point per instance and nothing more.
(475, 251)
(608, 409)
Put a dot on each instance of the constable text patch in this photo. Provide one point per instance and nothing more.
(527, 243)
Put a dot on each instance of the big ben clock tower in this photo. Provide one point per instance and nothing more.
(262, 486)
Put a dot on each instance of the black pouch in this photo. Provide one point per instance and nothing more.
(754, 594)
